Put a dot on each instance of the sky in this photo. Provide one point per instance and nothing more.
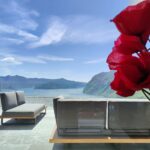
(57, 38)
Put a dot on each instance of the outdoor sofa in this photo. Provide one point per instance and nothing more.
(80, 121)
(14, 106)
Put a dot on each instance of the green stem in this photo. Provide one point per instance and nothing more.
(146, 93)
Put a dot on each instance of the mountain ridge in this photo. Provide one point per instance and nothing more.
(17, 82)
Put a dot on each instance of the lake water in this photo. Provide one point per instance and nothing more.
(67, 93)
(46, 96)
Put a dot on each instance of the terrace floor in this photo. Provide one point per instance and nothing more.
(20, 136)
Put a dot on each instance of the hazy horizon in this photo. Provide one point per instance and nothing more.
(55, 78)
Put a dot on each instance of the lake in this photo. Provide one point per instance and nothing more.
(46, 96)
(67, 93)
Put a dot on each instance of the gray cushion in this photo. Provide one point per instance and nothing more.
(129, 115)
(25, 110)
(9, 100)
(20, 97)
(81, 114)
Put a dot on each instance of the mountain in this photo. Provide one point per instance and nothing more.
(18, 82)
(61, 84)
(99, 85)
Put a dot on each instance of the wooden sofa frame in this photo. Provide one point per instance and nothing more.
(55, 138)
(20, 117)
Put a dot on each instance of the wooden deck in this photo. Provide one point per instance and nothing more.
(95, 139)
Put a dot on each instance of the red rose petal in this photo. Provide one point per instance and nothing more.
(134, 20)
(119, 86)
(129, 44)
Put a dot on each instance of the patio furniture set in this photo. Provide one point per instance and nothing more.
(90, 121)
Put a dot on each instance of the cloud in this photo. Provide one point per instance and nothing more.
(54, 34)
(11, 30)
(96, 61)
(70, 29)
(29, 59)
(11, 61)
(134, 1)
(26, 35)
(7, 40)
(98, 37)
(26, 24)
(16, 21)
(55, 58)
(76, 29)
(90, 30)
(23, 17)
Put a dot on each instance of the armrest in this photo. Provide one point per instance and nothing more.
(55, 101)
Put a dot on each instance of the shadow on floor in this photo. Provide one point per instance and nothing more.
(101, 147)
(13, 124)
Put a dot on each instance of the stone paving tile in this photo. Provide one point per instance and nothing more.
(41, 146)
(15, 147)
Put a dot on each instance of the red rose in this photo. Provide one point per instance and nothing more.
(145, 59)
(119, 85)
(135, 20)
(133, 74)
(130, 57)
(116, 59)
(129, 44)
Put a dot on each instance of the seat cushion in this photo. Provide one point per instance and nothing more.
(20, 97)
(25, 110)
(9, 100)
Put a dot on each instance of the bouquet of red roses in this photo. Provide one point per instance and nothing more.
(130, 57)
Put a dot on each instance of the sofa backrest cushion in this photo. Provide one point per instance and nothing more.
(9, 100)
(20, 97)
(129, 115)
(81, 114)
